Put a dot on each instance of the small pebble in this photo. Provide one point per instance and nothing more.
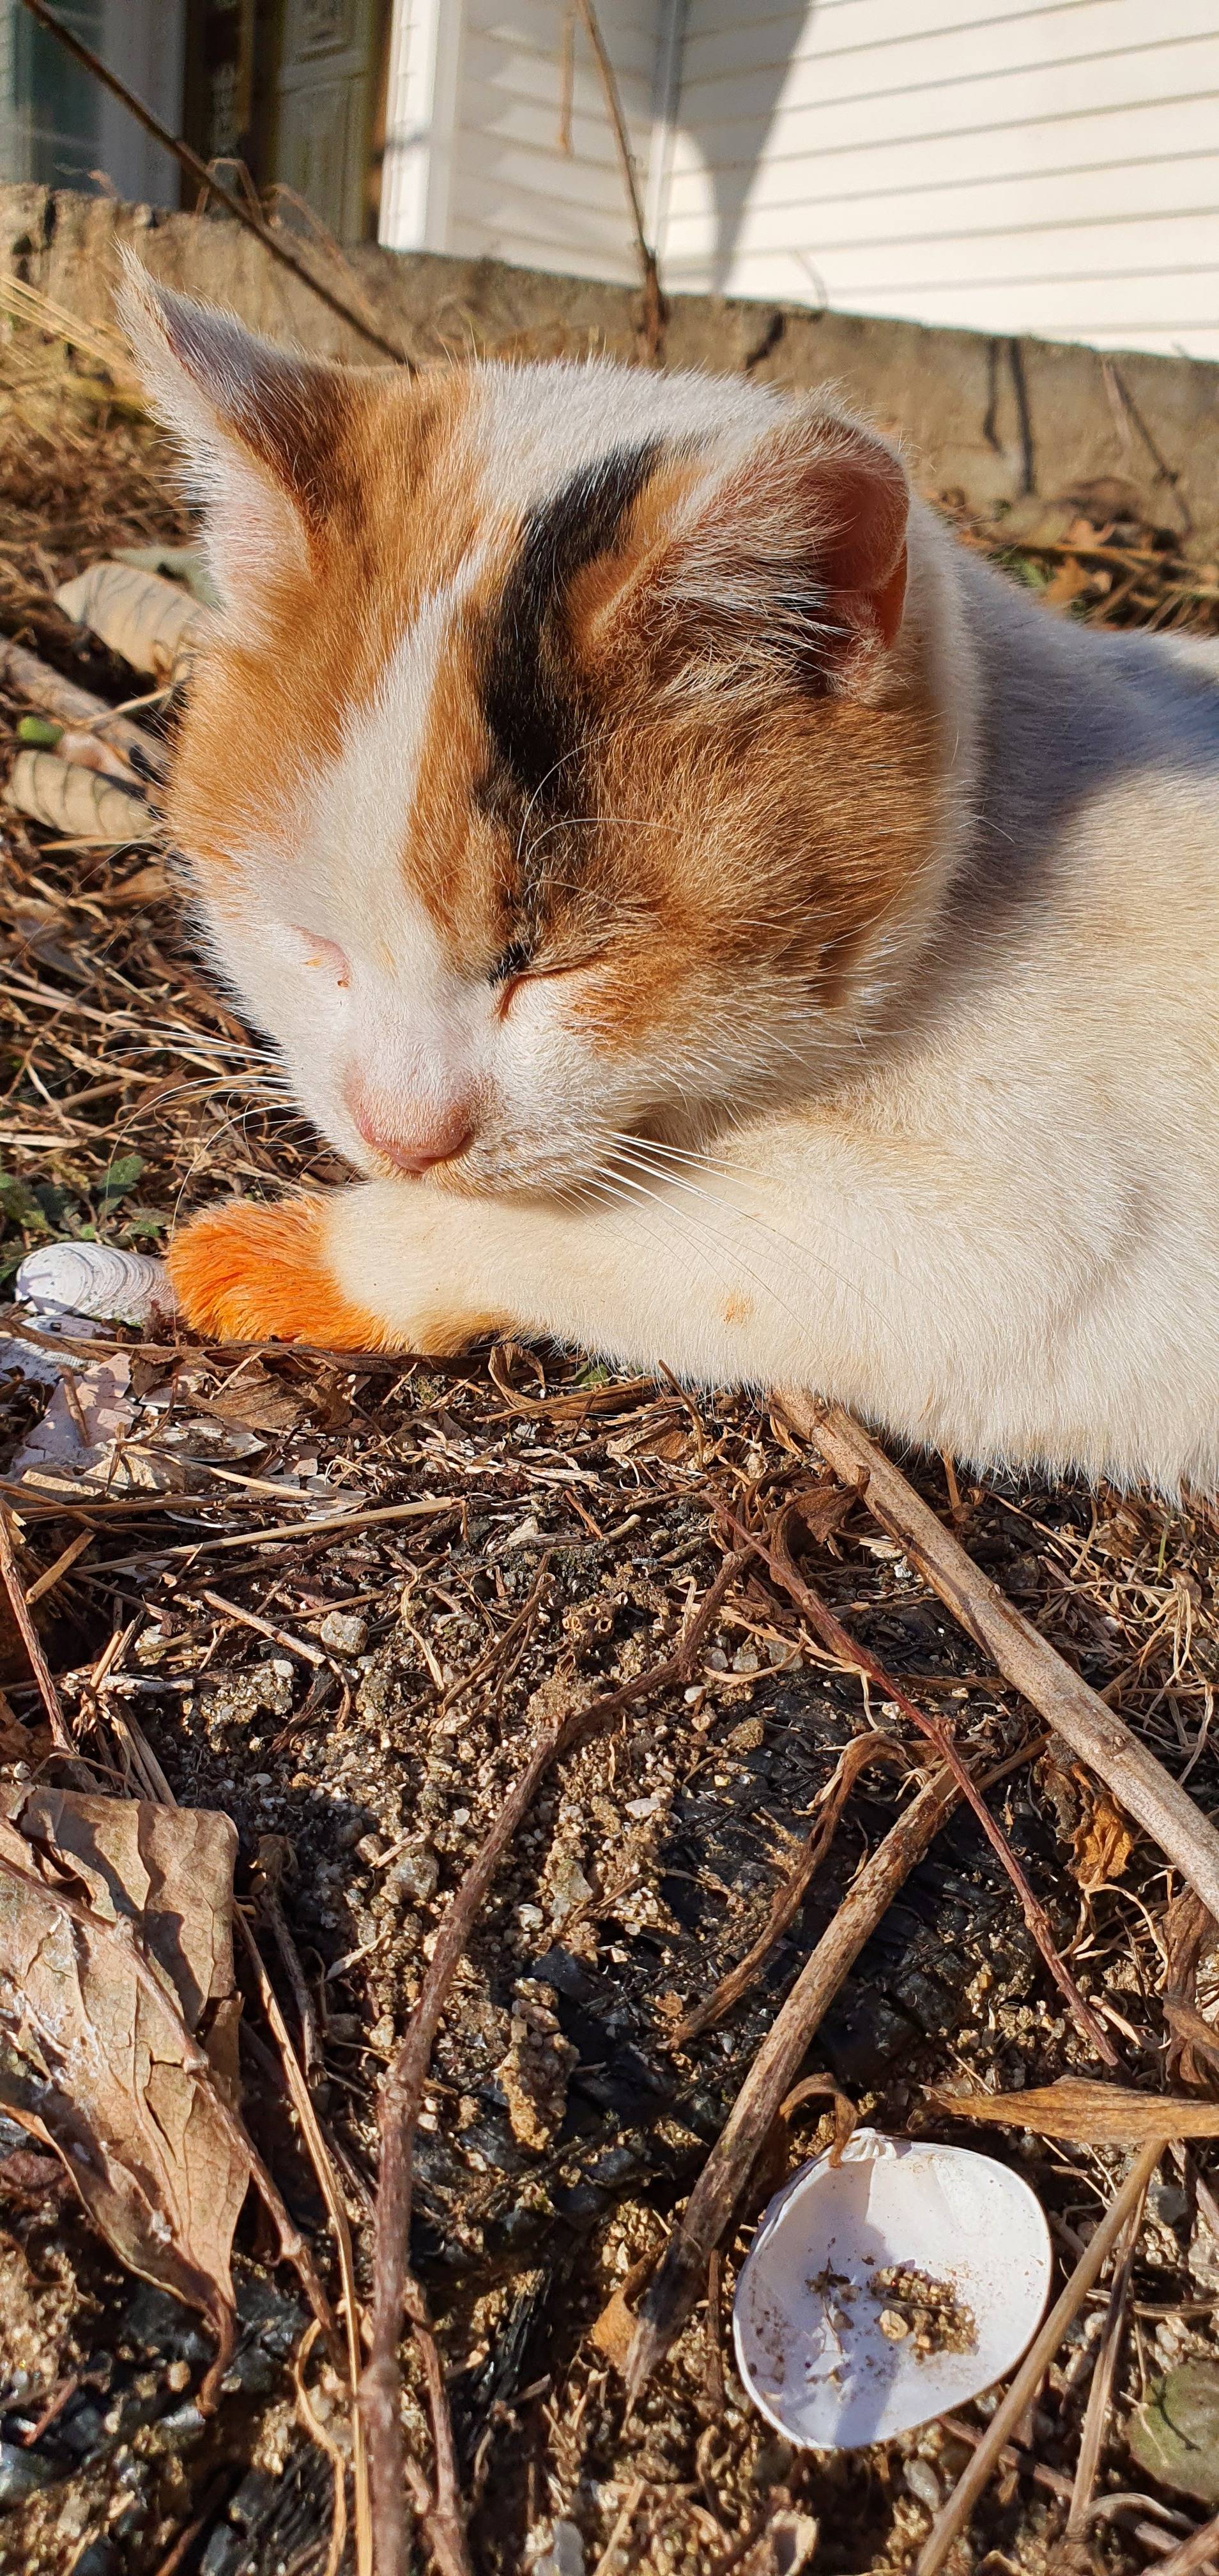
(343, 1632)
(922, 2481)
(177, 2431)
(565, 2556)
(894, 2328)
(21, 2473)
(416, 1871)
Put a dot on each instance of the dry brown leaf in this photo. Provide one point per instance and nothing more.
(26, 2176)
(169, 1869)
(261, 1401)
(1194, 2041)
(1086, 2114)
(1189, 1928)
(1102, 1841)
(613, 2330)
(1070, 578)
(80, 1436)
(663, 1435)
(149, 884)
(77, 802)
(824, 1509)
(115, 1950)
(155, 624)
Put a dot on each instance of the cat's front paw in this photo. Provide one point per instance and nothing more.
(246, 1273)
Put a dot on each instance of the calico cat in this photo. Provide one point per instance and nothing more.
(727, 924)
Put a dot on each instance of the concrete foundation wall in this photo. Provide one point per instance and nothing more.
(1035, 429)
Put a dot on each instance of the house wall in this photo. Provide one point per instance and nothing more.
(1009, 168)
(473, 161)
(1036, 431)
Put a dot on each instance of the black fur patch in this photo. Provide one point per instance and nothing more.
(533, 713)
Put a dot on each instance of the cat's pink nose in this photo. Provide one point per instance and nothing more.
(414, 1140)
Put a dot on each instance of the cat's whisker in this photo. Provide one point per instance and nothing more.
(717, 1240)
(617, 1188)
(805, 1252)
(697, 1156)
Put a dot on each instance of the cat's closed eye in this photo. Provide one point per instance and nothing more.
(509, 989)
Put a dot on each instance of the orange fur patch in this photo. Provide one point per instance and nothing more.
(259, 1274)
(410, 513)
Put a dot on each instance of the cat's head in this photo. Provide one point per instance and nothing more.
(562, 769)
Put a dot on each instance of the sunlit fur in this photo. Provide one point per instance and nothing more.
(791, 956)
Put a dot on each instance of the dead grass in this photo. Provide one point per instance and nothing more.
(366, 1693)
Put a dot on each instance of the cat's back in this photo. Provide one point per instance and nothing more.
(1097, 765)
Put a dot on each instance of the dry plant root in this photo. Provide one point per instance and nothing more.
(246, 1273)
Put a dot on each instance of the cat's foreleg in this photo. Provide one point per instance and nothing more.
(400, 1266)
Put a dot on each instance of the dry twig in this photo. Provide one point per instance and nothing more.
(1096, 2415)
(199, 171)
(671, 2295)
(321, 2161)
(1200, 2551)
(653, 300)
(956, 2513)
(46, 688)
(325, 2442)
(30, 1637)
(1076, 1712)
(790, 1896)
(821, 1618)
(445, 2520)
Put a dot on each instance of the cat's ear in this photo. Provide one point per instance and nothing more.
(260, 428)
(791, 562)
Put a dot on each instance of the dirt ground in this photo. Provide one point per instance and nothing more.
(359, 1699)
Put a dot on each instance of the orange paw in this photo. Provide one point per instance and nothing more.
(260, 1274)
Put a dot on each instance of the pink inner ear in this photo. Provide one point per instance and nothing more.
(862, 502)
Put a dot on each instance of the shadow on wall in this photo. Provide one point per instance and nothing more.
(727, 99)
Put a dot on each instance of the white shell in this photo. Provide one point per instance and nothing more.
(98, 1281)
(815, 2362)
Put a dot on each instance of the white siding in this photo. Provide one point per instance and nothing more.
(1052, 170)
(473, 161)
